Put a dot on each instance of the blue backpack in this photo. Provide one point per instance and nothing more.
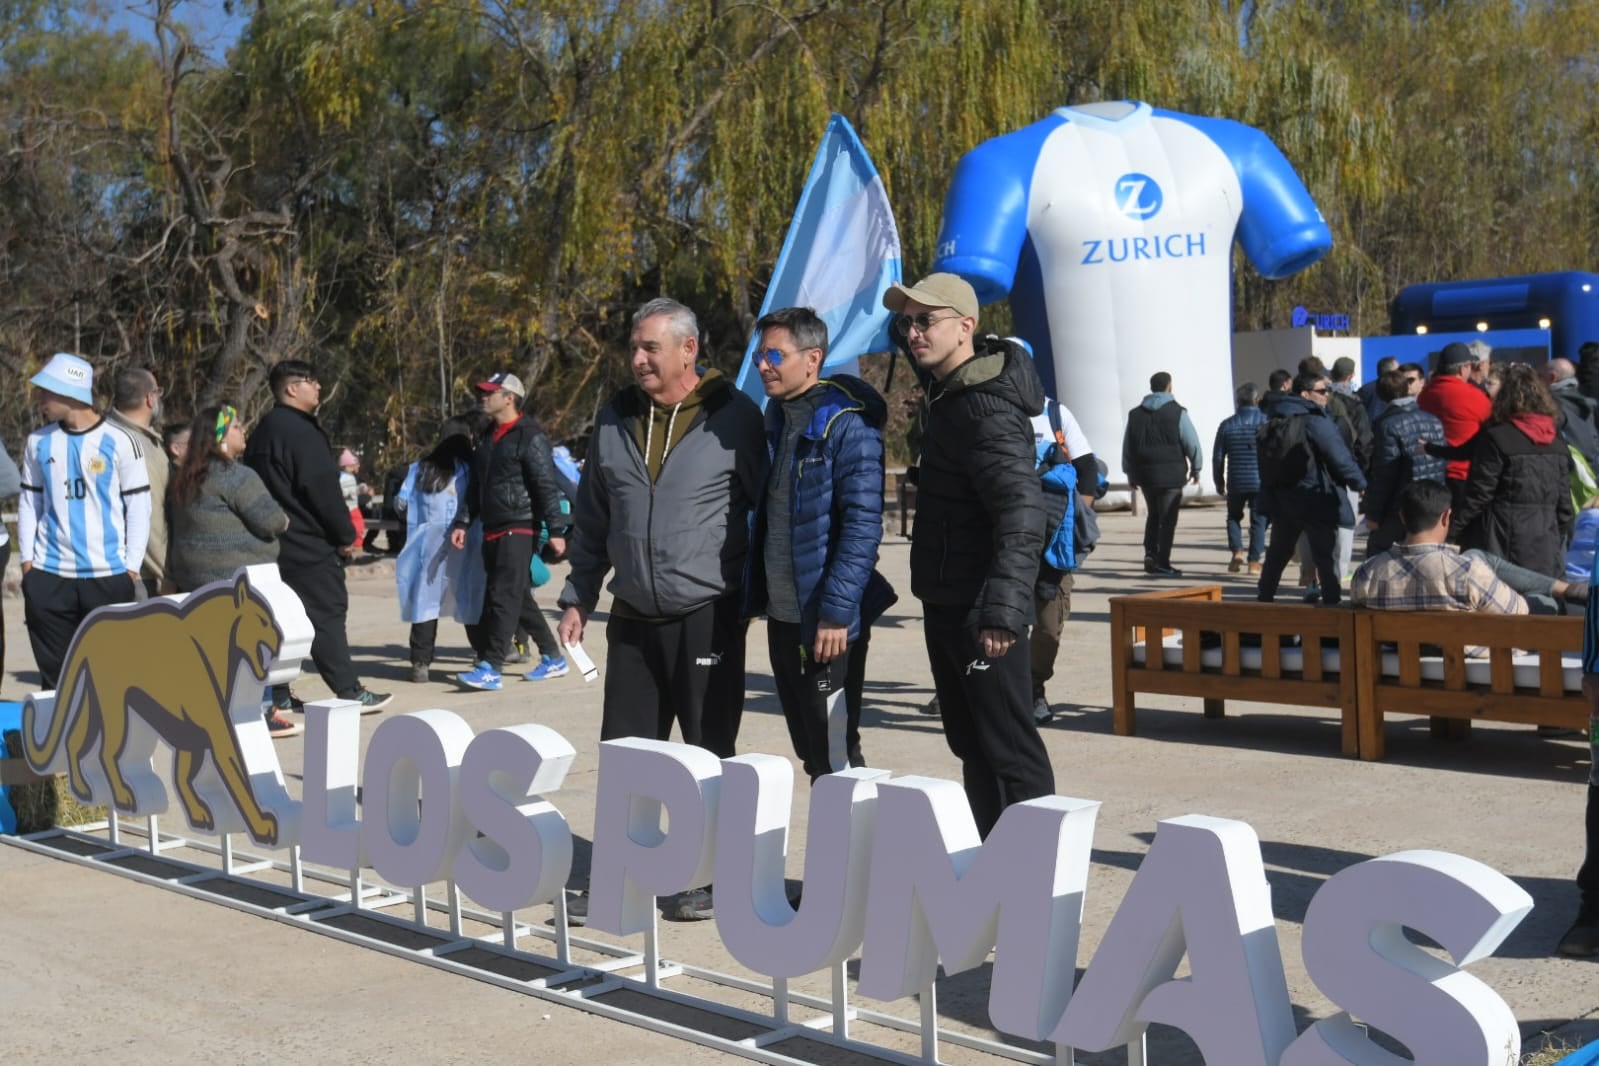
(1073, 535)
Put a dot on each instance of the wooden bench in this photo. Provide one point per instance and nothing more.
(1367, 664)
(1536, 693)
(1272, 673)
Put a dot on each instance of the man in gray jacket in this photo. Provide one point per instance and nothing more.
(674, 468)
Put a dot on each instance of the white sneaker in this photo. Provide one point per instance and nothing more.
(1042, 711)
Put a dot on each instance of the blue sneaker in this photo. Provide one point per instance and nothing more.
(482, 677)
(549, 666)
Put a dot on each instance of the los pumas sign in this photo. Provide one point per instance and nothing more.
(894, 870)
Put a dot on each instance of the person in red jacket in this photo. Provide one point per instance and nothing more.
(1461, 405)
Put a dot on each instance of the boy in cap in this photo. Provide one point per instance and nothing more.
(512, 490)
(83, 519)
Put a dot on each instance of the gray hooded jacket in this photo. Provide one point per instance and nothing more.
(679, 542)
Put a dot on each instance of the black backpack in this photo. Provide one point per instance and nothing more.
(1283, 450)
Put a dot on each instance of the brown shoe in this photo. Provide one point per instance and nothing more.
(1237, 565)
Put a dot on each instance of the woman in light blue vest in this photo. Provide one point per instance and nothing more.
(434, 579)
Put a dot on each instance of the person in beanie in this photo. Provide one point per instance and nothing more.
(513, 491)
(290, 452)
(978, 539)
(79, 472)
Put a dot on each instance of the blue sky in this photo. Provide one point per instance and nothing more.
(214, 29)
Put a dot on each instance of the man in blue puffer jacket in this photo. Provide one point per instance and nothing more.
(817, 530)
(1236, 468)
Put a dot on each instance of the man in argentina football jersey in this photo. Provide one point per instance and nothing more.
(83, 518)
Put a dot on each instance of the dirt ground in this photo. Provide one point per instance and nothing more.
(142, 970)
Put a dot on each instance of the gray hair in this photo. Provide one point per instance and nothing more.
(1247, 394)
(1481, 351)
(802, 323)
(684, 324)
(132, 385)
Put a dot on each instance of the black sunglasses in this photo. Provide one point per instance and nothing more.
(922, 322)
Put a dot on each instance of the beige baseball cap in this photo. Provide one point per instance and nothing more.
(935, 290)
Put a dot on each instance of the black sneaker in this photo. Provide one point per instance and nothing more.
(419, 673)
(288, 703)
(1582, 939)
(372, 702)
(1166, 571)
(577, 908)
(280, 726)
(694, 905)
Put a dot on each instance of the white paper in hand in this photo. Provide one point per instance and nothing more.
(581, 660)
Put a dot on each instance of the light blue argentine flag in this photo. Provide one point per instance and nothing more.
(841, 254)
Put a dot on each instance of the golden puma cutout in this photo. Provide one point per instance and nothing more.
(175, 666)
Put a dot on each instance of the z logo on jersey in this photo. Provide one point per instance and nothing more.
(1138, 197)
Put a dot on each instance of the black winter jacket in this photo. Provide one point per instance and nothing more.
(513, 482)
(1397, 462)
(1317, 497)
(1517, 501)
(290, 452)
(979, 507)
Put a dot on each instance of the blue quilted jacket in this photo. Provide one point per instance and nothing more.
(837, 518)
(1396, 460)
(1235, 443)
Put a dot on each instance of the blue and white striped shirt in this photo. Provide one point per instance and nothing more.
(85, 505)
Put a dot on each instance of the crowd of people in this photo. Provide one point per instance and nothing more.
(702, 513)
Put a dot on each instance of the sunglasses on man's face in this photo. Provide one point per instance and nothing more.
(1319, 392)
(903, 324)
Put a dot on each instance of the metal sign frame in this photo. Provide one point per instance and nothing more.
(359, 912)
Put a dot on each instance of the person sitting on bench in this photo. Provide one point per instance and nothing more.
(1423, 573)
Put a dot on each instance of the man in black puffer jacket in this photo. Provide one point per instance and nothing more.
(512, 491)
(978, 538)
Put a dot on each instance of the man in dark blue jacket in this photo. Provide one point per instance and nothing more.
(816, 537)
(1314, 503)
(1237, 473)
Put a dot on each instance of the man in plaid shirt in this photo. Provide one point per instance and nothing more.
(1426, 574)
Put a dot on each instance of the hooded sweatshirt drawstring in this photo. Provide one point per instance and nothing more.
(649, 433)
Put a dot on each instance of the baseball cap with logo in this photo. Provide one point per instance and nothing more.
(935, 290)
(67, 375)
(1455, 354)
(509, 382)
